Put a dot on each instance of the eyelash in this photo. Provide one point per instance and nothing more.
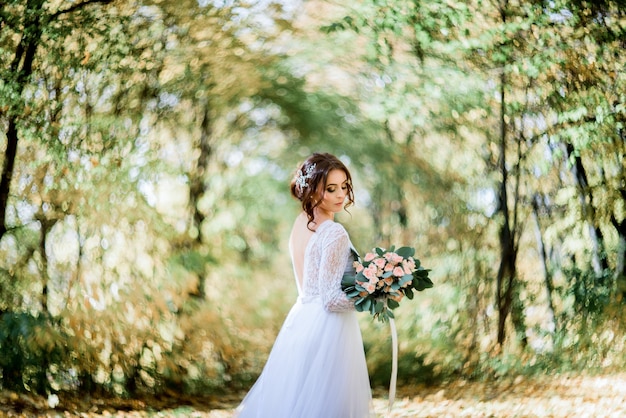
(331, 190)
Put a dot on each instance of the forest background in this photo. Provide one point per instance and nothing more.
(147, 149)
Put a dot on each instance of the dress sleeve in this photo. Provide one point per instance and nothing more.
(335, 256)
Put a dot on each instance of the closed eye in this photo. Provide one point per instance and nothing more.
(334, 188)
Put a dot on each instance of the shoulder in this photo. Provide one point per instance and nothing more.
(331, 231)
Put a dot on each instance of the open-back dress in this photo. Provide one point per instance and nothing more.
(316, 368)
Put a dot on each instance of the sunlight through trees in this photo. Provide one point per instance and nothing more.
(146, 152)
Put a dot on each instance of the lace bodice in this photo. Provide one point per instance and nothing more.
(327, 257)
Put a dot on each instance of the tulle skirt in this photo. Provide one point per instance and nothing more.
(316, 369)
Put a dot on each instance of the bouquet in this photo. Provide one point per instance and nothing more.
(383, 278)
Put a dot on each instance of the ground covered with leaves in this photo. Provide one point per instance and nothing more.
(545, 396)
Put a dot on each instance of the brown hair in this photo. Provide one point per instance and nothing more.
(310, 179)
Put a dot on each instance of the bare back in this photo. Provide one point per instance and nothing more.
(298, 242)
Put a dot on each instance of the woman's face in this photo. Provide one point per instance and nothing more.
(335, 191)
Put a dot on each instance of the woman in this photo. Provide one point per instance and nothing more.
(317, 366)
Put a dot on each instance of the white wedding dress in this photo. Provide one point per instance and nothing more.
(316, 368)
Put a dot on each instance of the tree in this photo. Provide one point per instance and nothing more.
(527, 72)
(33, 24)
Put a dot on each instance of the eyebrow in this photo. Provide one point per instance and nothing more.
(334, 184)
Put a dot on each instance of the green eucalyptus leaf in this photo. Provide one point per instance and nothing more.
(347, 280)
(392, 304)
(367, 304)
(405, 252)
(379, 306)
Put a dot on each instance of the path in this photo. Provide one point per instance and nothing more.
(543, 397)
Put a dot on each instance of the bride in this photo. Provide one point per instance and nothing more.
(316, 368)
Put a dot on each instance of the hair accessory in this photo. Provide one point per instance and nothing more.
(301, 178)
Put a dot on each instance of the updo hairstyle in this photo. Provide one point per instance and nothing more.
(309, 182)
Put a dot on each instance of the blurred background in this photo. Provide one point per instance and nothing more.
(147, 149)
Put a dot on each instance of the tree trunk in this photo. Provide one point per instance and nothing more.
(7, 172)
(46, 226)
(197, 183)
(507, 294)
(543, 255)
(598, 262)
(620, 267)
(197, 188)
(505, 280)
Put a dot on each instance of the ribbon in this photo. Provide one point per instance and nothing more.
(394, 364)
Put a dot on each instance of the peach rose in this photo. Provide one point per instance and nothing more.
(370, 272)
(398, 271)
(369, 257)
(411, 263)
(407, 267)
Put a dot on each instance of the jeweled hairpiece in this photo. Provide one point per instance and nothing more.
(301, 178)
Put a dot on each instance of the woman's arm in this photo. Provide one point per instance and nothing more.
(335, 256)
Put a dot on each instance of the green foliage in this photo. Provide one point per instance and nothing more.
(149, 207)
(31, 349)
(591, 293)
(193, 261)
(381, 296)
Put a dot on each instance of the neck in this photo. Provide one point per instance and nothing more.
(320, 216)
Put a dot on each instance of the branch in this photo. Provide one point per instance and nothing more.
(567, 124)
(78, 6)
